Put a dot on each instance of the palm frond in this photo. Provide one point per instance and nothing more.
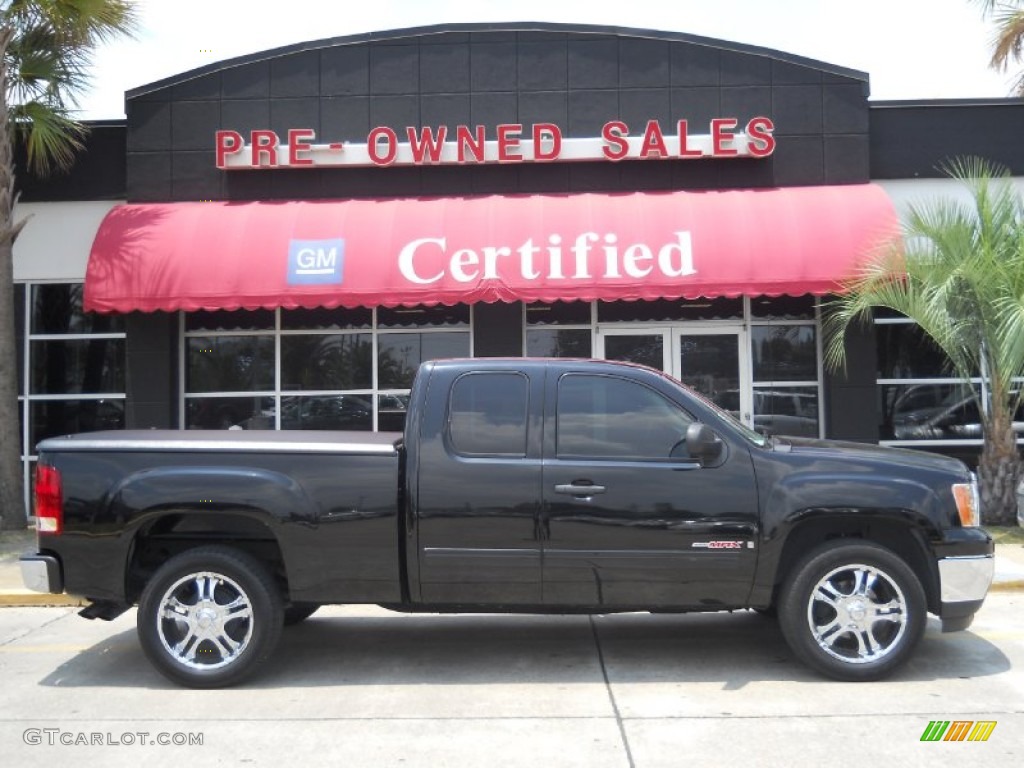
(47, 58)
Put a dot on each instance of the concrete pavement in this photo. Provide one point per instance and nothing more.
(360, 687)
(1009, 573)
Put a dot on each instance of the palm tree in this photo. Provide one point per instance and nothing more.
(1008, 42)
(46, 47)
(958, 272)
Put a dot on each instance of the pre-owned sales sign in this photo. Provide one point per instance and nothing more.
(513, 143)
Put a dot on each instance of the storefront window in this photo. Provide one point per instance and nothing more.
(71, 366)
(669, 310)
(784, 353)
(698, 341)
(330, 361)
(559, 329)
(343, 369)
(920, 399)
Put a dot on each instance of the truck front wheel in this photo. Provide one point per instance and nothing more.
(209, 617)
(853, 611)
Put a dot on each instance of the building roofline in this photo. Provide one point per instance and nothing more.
(993, 101)
(485, 28)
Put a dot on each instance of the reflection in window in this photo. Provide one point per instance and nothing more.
(930, 412)
(905, 352)
(50, 418)
(558, 342)
(399, 355)
(611, 418)
(644, 349)
(75, 365)
(784, 352)
(327, 412)
(57, 309)
(230, 363)
(312, 368)
(488, 414)
(786, 411)
(336, 361)
(229, 413)
(79, 366)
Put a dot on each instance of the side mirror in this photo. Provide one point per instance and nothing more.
(702, 443)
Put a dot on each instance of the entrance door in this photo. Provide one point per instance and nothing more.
(711, 360)
(650, 347)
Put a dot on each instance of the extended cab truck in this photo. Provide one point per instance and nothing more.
(519, 485)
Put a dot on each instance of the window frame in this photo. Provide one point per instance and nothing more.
(277, 393)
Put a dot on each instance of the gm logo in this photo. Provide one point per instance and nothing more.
(316, 261)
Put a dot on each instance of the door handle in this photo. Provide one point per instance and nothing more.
(579, 490)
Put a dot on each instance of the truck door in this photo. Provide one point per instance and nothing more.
(629, 518)
(478, 487)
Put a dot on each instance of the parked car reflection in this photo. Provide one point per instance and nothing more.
(935, 412)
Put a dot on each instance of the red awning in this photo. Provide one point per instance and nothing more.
(222, 255)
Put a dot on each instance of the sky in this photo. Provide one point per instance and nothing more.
(912, 49)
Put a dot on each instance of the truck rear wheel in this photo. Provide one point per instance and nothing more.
(209, 617)
(853, 611)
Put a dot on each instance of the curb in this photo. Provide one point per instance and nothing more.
(25, 599)
(1007, 586)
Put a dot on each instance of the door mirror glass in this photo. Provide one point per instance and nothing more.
(702, 443)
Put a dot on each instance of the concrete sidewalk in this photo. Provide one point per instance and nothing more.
(1009, 572)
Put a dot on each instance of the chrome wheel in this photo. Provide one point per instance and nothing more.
(210, 616)
(852, 610)
(205, 620)
(857, 613)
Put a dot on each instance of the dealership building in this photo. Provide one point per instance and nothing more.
(277, 241)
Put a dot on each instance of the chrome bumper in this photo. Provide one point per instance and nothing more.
(965, 579)
(41, 573)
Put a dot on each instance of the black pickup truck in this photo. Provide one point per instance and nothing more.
(519, 485)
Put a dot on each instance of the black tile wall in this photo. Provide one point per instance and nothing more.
(394, 69)
(444, 69)
(644, 63)
(245, 115)
(577, 80)
(248, 81)
(295, 75)
(149, 177)
(193, 124)
(345, 118)
(149, 126)
(593, 64)
(797, 109)
(492, 67)
(345, 71)
(543, 66)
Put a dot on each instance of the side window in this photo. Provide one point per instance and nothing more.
(611, 418)
(488, 414)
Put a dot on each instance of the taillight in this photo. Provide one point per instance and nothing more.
(49, 500)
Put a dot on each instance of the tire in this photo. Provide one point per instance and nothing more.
(209, 617)
(852, 611)
(295, 613)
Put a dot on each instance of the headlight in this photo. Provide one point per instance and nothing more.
(968, 502)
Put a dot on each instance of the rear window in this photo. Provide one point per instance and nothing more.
(488, 414)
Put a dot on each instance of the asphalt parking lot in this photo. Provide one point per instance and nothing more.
(363, 687)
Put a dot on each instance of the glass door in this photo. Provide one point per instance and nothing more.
(713, 361)
(649, 346)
